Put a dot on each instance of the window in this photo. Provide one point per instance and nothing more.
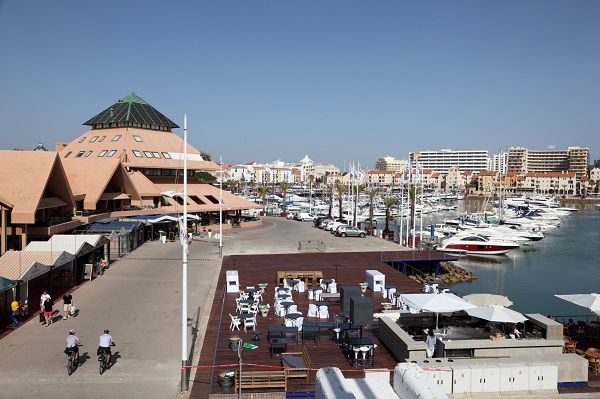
(169, 172)
(79, 154)
(137, 153)
(82, 139)
(148, 154)
(156, 154)
(88, 154)
(137, 138)
(111, 153)
(68, 153)
(102, 153)
(166, 155)
(101, 139)
(93, 139)
(116, 138)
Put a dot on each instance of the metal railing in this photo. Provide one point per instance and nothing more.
(311, 245)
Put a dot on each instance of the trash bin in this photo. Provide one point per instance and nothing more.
(226, 379)
(201, 234)
(234, 342)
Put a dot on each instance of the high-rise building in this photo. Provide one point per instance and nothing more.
(441, 161)
(573, 159)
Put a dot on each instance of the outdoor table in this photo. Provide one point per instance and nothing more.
(309, 323)
(359, 341)
(286, 290)
(328, 325)
(250, 290)
(346, 328)
(275, 343)
(246, 315)
(314, 330)
(247, 301)
(294, 283)
(323, 303)
(345, 315)
(293, 316)
(316, 288)
(326, 282)
(287, 304)
(284, 296)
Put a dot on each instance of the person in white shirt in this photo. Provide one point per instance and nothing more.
(106, 341)
(72, 342)
(42, 300)
(430, 341)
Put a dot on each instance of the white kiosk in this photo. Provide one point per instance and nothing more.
(232, 281)
(376, 280)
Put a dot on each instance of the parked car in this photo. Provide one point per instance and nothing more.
(350, 231)
(304, 217)
(331, 226)
(291, 215)
(324, 223)
(319, 219)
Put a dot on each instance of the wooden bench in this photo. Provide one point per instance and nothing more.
(261, 379)
(296, 364)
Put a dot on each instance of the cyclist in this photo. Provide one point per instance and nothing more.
(106, 341)
(72, 348)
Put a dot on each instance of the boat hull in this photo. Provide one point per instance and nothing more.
(476, 249)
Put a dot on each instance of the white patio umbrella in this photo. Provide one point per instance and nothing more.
(436, 303)
(487, 299)
(590, 301)
(497, 313)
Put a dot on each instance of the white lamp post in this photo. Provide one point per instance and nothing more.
(220, 207)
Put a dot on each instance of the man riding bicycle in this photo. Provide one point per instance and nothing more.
(72, 348)
(106, 341)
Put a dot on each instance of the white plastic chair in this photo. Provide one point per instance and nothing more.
(235, 322)
(333, 288)
(298, 323)
(300, 286)
(383, 292)
(249, 322)
(391, 296)
(318, 295)
(323, 312)
(257, 296)
(312, 310)
(292, 308)
(311, 295)
(289, 323)
(237, 305)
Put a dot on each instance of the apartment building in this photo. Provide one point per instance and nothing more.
(573, 159)
(441, 161)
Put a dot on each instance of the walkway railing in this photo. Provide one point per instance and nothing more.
(311, 245)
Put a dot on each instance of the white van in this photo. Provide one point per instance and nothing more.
(305, 217)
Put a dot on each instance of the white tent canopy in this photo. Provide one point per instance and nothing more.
(496, 313)
(439, 303)
(590, 301)
(487, 299)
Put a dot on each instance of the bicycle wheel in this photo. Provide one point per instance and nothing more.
(70, 365)
(102, 360)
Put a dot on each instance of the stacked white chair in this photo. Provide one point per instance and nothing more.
(237, 305)
(285, 284)
(235, 322)
(289, 323)
(298, 323)
(279, 310)
(244, 307)
(300, 286)
(312, 310)
(323, 312)
(383, 292)
(257, 295)
(293, 308)
(311, 295)
(391, 296)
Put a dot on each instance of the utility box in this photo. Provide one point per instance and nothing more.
(232, 281)
(376, 280)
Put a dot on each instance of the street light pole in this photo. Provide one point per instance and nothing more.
(220, 207)
(183, 230)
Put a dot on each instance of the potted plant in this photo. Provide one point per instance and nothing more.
(363, 286)
(163, 237)
(264, 309)
(209, 233)
(386, 305)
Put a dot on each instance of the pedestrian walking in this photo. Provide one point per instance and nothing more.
(68, 304)
(42, 300)
(48, 310)
(14, 306)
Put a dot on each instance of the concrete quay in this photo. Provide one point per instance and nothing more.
(139, 300)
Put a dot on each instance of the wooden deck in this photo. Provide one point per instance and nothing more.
(345, 268)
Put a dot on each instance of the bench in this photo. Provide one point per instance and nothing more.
(329, 297)
(296, 364)
(261, 379)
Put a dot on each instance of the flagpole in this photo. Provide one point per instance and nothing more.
(184, 356)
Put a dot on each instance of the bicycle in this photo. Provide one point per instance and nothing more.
(72, 362)
(103, 362)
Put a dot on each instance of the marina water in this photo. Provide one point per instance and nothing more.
(566, 261)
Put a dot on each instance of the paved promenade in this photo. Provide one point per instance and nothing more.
(139, 299)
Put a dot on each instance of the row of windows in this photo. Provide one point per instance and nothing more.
(85, 154)
(100, 139)
(151, 154)
(167, 172)
(130, 124)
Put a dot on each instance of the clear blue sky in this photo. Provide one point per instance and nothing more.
(339, 80)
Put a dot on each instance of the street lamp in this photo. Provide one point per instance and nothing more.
(220, 207)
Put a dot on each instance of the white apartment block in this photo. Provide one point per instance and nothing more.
(573, 159)
(557, 183)
(455, 179)
(389, 163)
(279, 171)
(499, 162)
(441, 161)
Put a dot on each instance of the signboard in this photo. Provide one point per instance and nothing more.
(88, 271)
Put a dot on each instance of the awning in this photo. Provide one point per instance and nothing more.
(113, 196)
(6, 284)
(51, 202)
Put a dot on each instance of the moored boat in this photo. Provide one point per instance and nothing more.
(476, 244)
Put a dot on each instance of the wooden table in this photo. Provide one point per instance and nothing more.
(310, 278)
(275, 343)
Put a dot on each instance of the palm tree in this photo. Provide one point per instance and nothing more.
(341, 189)
(330, 193)
(284, 187)
(263, 191)
(413, 191)
(231, 183)
(311, 180)
(388, 202)
(373, 192)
